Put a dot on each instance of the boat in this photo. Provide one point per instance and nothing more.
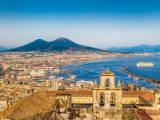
(72, 77)
(145, 64)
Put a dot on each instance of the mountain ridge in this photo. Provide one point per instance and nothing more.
(60, 45)
(139, 48)
(3, 48)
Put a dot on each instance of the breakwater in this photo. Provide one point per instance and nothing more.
(139, 76)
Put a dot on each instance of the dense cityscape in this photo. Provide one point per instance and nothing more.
(30, 79)
(79, 59)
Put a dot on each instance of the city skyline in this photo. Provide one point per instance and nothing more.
(79, 59)
(99, 24)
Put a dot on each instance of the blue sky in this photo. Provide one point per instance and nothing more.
(98, 23)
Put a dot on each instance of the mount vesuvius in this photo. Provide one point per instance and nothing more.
(59, 45)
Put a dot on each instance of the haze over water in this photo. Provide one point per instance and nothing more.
(92, 70)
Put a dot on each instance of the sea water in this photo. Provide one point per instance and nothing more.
(92, 70)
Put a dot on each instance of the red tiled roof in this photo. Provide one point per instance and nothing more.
(71, 92)
(142, 115)
(152, 112)
(132, 93)
(147, 96)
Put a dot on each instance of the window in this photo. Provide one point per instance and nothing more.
(158, 100)
(107, 82)
(112, 99)
(102, 99)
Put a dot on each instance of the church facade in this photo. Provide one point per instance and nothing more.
(104, 101)
(107, 95)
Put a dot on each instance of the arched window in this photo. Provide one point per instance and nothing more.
(158, 100)
(112, 99)
(102, 99)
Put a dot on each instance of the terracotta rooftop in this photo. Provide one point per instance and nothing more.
(152, 112)
(71, 92)
(142, 115)
(132, 93)
(147, 96)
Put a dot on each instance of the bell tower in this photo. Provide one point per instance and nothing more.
(107, 79)
(107, 95)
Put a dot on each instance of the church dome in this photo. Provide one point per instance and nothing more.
(107, 73)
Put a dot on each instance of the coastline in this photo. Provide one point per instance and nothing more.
(107, 62)
(140, 77)
(115, 55)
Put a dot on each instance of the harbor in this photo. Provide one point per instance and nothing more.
(124, 69)
(141, 76)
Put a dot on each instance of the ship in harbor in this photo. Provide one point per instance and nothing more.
(145, 64)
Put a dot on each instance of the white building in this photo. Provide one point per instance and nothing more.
(84, 84)
(53, 83)
(3, 105)
(38, 73)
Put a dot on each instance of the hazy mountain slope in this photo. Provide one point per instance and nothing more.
(140, 48)
(60, 44)
(37, 45)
